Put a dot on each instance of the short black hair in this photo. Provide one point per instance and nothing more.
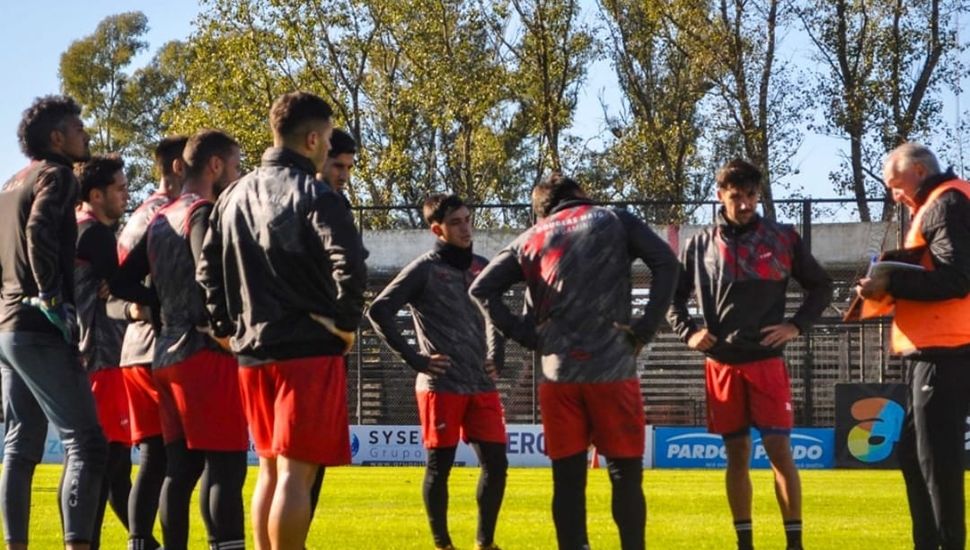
(44, 116)
(292, 112)
(167, 150)
(204, 145)
(552, 190)
(437, 207)
(341, 142)
(740, 174)
(97, 173)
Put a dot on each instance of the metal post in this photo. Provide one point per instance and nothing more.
(862, 352)
(808, 365)
(357, 344)
(882, 353)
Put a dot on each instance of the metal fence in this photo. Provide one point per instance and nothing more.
(671, 375)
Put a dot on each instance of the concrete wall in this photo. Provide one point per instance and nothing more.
(834, 244)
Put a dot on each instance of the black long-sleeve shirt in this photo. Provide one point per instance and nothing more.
(740, 275)
(576, 264)
(38, 242)
(101, 329)
(446, 321)
(139, 344)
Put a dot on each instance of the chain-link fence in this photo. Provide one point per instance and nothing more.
(381, 386)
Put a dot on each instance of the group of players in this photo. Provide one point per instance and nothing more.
(224, 309)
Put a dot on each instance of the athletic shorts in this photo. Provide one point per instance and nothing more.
(111, 402)
(142, 402)
(748, 394)
(606, 414)
(200, 402)
(447, 416)
(298, 409)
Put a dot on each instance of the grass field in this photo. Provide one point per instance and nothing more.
(380, 508)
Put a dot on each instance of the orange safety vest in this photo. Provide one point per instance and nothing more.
(937, 324)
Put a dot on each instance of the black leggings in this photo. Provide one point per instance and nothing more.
(115, 488)
(569, 501)
(220, 496)
(491, 488)
(435, 492)
(143, 501)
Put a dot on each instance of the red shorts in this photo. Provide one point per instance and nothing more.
(200, 402)
(298, 409)
(111, 400)
(142, 402)
(607, 414)
(748, 394)
(447, 416)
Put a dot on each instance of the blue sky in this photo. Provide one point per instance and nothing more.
(34, 33)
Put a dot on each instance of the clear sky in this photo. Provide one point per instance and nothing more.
(34, 33)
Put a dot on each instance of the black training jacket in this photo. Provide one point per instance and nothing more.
(282, 245)
(740, 276)
(38, 242)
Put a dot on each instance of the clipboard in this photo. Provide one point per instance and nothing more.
(908, 259)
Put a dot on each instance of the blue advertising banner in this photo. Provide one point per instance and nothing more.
(812, 448)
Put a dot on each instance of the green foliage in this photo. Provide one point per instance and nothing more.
(656, 155)
(478, 97)
(94, 70)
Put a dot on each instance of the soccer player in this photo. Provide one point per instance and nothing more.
(201, 412)
(458, 358)
(137, 352)
(283, 273)
(336, 173)
(739, 270)
(42, 377)
(104, 196)
(340, 161)
(576, 264)
(931, 329)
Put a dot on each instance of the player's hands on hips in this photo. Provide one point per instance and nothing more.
(873, 288)
(491, 369)
(60, 314)
(438, 364)
(777, 335)
(347, 336)
(631, 336)
(702, 340)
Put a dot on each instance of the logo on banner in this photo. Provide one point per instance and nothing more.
(880, 424)
(354, 444)
(695, 448)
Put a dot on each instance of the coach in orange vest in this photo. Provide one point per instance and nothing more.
(931, 328)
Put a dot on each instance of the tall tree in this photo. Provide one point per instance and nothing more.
(883, 62)
(658, 154)
(93, 70)
(549, 52)
(760, 113)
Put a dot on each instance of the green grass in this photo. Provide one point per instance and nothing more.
(380, 508)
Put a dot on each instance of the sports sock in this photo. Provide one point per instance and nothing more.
(743, 529)
(793, 534)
